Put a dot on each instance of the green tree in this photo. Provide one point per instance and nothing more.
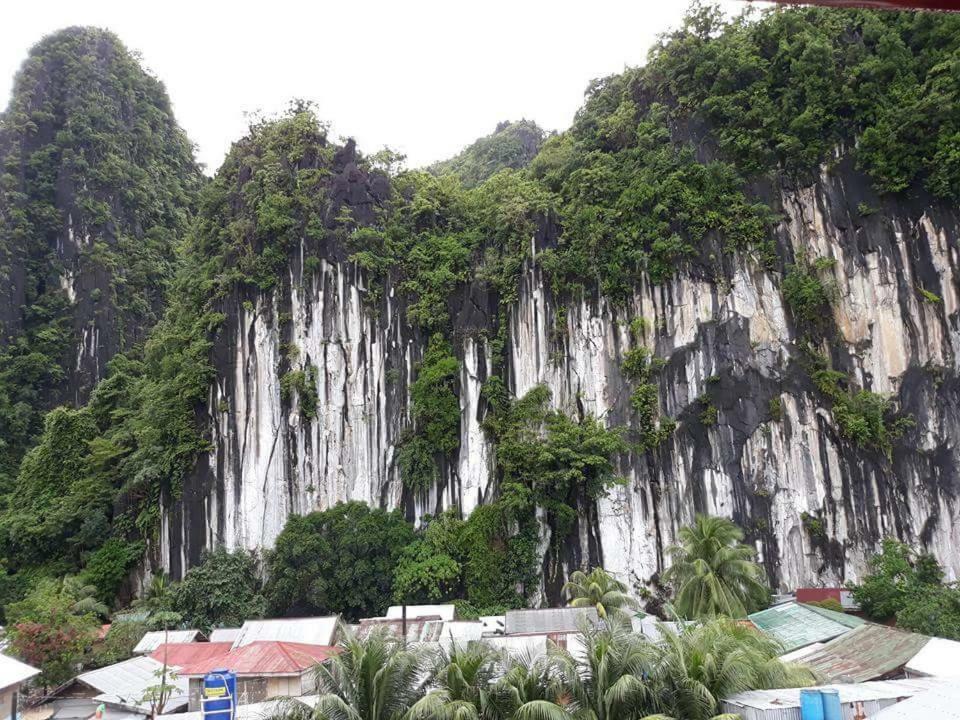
(897, 574)
(340, 560)
(52, 627)
(223, 590)
(609, 680)
(461, 685)
(907, 585)
(713, 573)
(701, 664)
(932, 611)
(376, 678)
(601, 590)
(430, 568)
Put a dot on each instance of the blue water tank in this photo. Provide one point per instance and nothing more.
(218, 696)
(811, 705)
(831, 704)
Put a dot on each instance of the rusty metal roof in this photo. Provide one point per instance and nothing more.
(795, 625)
(868, 652)
(421, 629)
(187, 653)
(262, 657)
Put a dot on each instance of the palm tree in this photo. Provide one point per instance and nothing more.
(608, 680)
(601, 590)
(713, 573)
(461, 685)
(529, 689)
(376, 678)
(701, 664)
(83, 596)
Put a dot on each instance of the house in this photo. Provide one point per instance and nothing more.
(841, 595)
(13, 673)
(939, 703)
(180, 654)
(461, 632)
(871, 697)
(309, 630)
(444, 612)
(548, 621)
(265, 669)
(155, 638)
(121, 687)
(419, 629)
(938, 658)
(650, 626)
(795, 625)
(867, 652)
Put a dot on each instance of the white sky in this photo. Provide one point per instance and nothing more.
(425, 78)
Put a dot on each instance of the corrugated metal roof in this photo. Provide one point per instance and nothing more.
(941, 703)
(155, 638)
(461, 631)
(795, 625)
(13, 671)
(938, 658)
(422, 629)
(262, 658)
(224, 634)
(444, 612)
(125, 682)
(186, 653)
(549, 620)
(311, 630)
(865, 653)
(650, 626)
(849, 693)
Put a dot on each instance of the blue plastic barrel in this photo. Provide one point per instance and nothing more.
(218, 696)
(831, 704)
(811, 705)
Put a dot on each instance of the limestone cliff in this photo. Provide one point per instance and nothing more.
(728, 341)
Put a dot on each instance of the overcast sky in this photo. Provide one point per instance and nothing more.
(425, 78)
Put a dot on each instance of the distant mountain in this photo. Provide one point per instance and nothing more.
(511, 145)
(96, 184)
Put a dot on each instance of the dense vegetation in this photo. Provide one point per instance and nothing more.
(618, 676)
(511, 146)
(652, 179)
(908, 587)
(97, 183)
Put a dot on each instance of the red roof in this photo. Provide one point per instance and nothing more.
(180, 654)
(263, 657)
(805, 595)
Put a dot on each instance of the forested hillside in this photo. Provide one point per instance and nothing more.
(730, 287)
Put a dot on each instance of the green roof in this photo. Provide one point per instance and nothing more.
(795, 625)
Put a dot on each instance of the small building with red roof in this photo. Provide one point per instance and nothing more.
(188, 653)
(265, 669)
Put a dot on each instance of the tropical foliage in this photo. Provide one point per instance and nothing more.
(712, 573)
(656, 176)
(600, 590)
(616, 675)
(908, 586)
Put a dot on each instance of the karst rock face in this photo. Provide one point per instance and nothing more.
(814, 505)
